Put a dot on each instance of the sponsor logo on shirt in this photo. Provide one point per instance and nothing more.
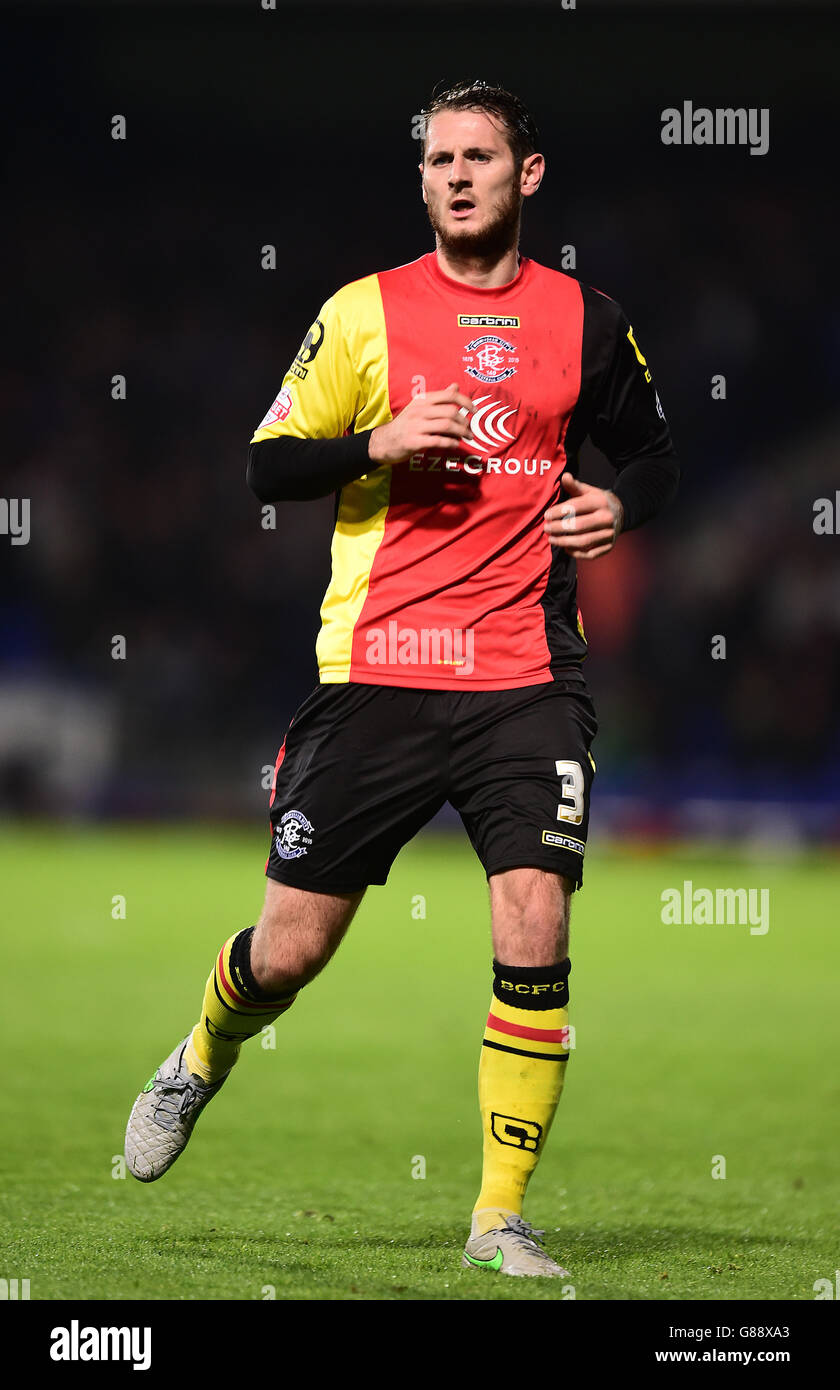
(439, 463)
(308, 350)
(279, 409)
(488, 423)
(490, 358)
(488, 321)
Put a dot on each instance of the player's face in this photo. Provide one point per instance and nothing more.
(470, 185)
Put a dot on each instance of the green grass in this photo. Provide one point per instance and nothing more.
(692, 1042)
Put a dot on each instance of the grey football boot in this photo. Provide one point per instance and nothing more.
(164, 1115)
(511, 1248)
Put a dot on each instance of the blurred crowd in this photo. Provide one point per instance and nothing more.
(143, 528)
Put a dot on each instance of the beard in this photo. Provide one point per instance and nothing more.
(492, 241)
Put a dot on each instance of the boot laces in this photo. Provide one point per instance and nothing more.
(524, 1231)
(177, 1097)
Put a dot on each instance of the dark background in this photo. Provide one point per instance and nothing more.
(293, 127)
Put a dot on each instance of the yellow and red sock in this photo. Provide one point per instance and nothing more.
(234, 1009)
(520, 1080)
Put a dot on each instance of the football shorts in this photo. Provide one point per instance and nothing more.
(364, 767)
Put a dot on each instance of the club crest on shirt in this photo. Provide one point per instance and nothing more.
(293, 835)
(490, 358)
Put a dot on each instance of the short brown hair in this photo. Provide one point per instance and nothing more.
(477, 95)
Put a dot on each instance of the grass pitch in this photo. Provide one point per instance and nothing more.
(693, 1044)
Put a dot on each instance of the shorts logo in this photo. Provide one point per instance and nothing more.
(488, 321)
(519, 1134)
(279, 409)
(490, 358)
(553, 837)
(293, 835)
(308, 350)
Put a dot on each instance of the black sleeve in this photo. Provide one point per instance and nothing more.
(619, 409)
(287, 469)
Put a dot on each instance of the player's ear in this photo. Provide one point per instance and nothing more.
(533, 169)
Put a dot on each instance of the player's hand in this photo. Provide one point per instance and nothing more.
(587, 522)
(433, 420)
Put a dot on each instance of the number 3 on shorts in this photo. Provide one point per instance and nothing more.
(571, 775)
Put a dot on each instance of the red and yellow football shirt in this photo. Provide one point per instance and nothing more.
(442, 576)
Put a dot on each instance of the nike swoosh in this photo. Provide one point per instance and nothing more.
(495, 1263)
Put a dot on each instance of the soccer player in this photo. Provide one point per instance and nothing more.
(444, 402)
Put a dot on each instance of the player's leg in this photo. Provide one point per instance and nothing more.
(524, 796)
(529, 913)
(523, 1058)
(356, 777)
(255, 978)
(258, 973)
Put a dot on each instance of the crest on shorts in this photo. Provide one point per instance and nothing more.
(293, 835)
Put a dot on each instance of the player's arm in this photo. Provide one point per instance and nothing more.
(305, 446)
(620, 410)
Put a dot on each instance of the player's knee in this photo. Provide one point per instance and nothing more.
(284, 975)
(283, 960)
(520, 895)
(295, 937)
(530, 917)
(534, 946)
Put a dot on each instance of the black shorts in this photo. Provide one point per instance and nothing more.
(364, 767)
